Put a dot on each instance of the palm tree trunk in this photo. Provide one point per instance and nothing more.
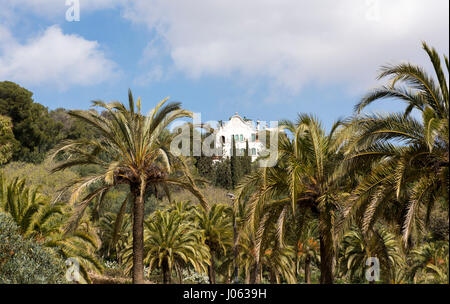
(326, 263)
(179, 272)
(165, 273)
(235, 250)
(326, 248)
(212, 270)
(254, 274)
(169, 276)
(229, 277)
(273, 277)
(247, 276)
(308, 270)
(138, 232)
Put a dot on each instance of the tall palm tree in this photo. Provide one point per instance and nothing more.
(407, 156)
(129, 151)
(216, 226)
(307, 176)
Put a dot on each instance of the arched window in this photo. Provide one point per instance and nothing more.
(242, 137)
(253, 151)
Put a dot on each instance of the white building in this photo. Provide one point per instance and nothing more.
(242, 130)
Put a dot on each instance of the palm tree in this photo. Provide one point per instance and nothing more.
(114, 233)
(307, 176)
(256, 232)
(261, 251)
(420, 90)
(171, 242)
(129, 151)
(407, 156)
(216, 227)
(185, 209)
(357, 247)
(279, 262)
(308, 250)
(43, 221)
(80, 244)
(232, 260)
(31, 210)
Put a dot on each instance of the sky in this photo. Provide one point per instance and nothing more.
(265, 59)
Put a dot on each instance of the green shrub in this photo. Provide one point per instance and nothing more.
(23, 261)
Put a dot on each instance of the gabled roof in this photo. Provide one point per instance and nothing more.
(247, 123)
(236, 115)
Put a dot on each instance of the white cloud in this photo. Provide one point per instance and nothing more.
(290, 43)
(155, 74)
(294, 42)
(54, 58)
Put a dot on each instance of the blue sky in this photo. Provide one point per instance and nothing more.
(265, 59)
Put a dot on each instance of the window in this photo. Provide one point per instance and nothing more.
(242, 137)
(242, 152)
(222, 139)
(236, 137)
(253, 151)
(253, 137)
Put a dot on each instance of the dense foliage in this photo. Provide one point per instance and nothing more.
(25, 261)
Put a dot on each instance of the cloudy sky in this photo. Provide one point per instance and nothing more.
(266, 59)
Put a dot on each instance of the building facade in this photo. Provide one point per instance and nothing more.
(242, 130)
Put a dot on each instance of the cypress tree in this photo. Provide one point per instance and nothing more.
(246, 160)
(235, 165)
